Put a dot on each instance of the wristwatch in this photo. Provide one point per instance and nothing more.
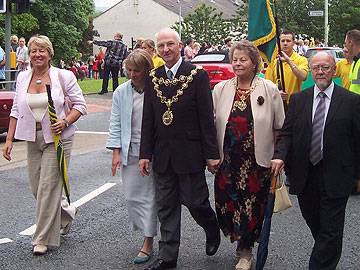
(67, 124)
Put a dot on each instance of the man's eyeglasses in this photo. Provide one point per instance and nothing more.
(324, 68)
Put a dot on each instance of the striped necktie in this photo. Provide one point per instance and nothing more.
(317, 131)
(170, 74)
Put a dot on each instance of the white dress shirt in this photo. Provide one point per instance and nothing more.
(174, 68)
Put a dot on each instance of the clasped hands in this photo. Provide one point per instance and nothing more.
(144, 166)
(213, 165)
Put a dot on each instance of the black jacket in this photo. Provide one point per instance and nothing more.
(191, 138)
(341, 141)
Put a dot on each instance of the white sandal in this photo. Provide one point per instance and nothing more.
(244, 264)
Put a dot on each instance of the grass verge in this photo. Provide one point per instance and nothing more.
(92, 86)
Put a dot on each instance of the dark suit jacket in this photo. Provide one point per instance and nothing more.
(341, 141)
(191, 138)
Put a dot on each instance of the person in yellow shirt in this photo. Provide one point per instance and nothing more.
(149, 46)
(295, 66)
(343, 69)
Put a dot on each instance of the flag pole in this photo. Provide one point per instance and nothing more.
(282, 80)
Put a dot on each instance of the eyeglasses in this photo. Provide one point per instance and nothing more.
(324, 68)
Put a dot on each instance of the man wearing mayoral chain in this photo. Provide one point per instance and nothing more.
(179, 138)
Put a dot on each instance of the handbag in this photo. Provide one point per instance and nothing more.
(67, 102)
(282, 200)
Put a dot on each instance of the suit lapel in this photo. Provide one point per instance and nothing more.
(335, 102)
(182, 69)
(161, 72)
(308, 106)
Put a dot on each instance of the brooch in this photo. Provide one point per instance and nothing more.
(260, 100)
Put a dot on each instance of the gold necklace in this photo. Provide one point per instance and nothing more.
(243, 95)
(39, 80)
(168, 115)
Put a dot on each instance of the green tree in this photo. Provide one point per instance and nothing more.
(343, 15)
(88, 34)
(205, 25)
(22, 25)
(64, 22)
(238, 26)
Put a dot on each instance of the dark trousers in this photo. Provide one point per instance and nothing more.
(325, 217)
(114, 70)
(172, 190)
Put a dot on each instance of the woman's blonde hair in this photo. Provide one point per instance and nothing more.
(43, 42)
(141, 59)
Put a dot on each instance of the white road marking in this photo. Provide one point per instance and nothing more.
(81, 201)
(5, 240)
(92, 132)
(93, 194)
(29, 231)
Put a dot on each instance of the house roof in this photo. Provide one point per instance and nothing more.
(227, 7)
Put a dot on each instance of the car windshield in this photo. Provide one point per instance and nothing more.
(209, 58)
(336, 53)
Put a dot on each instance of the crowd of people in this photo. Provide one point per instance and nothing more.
(167, 127)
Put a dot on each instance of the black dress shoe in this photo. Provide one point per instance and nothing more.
(161, 264)
(212, 243)
(101, 92)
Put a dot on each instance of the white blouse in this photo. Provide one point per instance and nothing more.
(38, 104)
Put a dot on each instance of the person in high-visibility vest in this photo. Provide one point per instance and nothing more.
(352, 43)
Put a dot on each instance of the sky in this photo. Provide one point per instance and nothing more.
(105, 3)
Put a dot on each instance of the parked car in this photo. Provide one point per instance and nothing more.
(6, 101)
(334, 51)
(216, 64)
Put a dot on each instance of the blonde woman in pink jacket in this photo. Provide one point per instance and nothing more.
(29, 121)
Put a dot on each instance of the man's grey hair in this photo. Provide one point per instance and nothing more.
(170, 31)
(322, 52)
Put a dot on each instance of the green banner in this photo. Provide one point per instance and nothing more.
(262, 29)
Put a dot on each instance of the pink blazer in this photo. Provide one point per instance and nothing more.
(26, 125)
(268, 117)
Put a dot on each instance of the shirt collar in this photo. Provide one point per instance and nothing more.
(328, 91)
(175, 67)
(356, 57)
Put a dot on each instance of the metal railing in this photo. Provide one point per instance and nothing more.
(9, 84)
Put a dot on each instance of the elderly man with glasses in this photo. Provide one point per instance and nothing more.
(321, 135)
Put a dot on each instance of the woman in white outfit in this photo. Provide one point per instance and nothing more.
(124, 140)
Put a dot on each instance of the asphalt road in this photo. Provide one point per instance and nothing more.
(100, 237)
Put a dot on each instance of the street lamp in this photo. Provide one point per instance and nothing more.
(179, 18)
(326, 36)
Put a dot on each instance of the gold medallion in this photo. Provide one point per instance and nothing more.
(167, 117)
(242, 94)
(240, 104)
(183, 81)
